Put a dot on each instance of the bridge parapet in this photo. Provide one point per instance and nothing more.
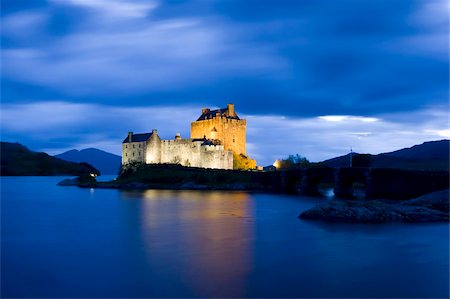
(378, 182)
(404, 184)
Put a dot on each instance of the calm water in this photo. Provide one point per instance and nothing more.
(71, 242)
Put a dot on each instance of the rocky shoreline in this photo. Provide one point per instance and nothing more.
(180, 186)
(433, 207)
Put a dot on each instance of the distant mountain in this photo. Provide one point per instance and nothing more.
(17, 160)
(427, 150)
(432, 155)
(106, 162)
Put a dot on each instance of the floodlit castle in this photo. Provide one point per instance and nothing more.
(215, 136)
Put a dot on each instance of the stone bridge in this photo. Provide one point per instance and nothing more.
(377, 182)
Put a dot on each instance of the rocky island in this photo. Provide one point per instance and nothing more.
(433, 207)
(177, 177)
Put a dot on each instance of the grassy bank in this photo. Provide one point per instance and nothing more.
(176, 176)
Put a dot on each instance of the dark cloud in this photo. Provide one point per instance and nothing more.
(14, 6)
(297, 58)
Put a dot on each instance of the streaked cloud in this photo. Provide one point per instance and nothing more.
(114, 8)
(343, 118)
(309, 81)
(58, 126)
(23, 24)
(156, 56)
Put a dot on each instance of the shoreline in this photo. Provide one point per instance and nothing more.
(136, 185)
(431, 207)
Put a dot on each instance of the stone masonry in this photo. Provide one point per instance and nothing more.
(223, 125)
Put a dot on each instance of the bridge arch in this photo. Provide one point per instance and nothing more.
(352, 182)
(313, 179)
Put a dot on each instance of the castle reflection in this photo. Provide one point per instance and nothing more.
(204, 237)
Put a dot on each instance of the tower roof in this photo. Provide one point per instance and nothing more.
(207, 114)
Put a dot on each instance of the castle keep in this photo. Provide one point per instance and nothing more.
(215, 136)
(223, 125)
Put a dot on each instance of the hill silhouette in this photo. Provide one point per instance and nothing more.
(432, 155)
(106, 162)
(17, 160)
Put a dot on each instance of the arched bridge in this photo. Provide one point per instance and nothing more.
(377, 182)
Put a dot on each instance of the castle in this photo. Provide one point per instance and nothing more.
(215, 136)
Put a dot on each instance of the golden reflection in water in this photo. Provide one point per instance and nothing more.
(205, 235)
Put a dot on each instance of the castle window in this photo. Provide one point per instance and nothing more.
(139, 145)
(133, 154)
(133, 145)
(126, 146)
(126, 154)
(233, 139)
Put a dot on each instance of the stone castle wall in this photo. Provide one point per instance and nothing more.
(184, 152)
(194, 154)
(231, 132)
(133, 152)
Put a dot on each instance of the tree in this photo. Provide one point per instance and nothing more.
(243, 162)
(292, 162)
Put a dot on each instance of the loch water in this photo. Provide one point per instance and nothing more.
(71, 242)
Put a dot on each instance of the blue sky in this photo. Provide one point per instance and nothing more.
(313, 77)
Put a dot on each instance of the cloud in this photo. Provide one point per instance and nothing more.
(432, 14)
(346, 118)
(114, 8)
(158, 56)
(445, 133)
(23, 24)
(55, 126)
(307, 52)
(274, 137)
(59, 126)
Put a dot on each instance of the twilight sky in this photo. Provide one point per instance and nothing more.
(313, 77)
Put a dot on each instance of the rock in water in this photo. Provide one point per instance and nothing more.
(68, 182)
(438, 200)
(433, 207)
(84, 181)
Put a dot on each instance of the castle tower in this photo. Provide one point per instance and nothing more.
(153, 148)
(223, 125)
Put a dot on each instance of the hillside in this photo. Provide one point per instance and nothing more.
(106, 162)
(427, 150)
(433, 155)
(17, 160)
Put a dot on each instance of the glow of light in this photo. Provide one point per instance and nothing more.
(442, 133)
(276, 164)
